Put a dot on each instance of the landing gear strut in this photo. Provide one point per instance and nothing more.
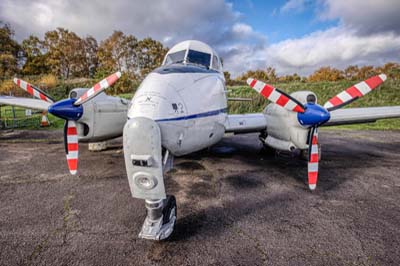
(160, 219)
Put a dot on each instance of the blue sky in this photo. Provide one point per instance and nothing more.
(293, 36)
(268, 18)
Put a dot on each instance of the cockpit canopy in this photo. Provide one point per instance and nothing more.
(193, 52)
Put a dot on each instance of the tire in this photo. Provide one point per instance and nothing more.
(170, 204)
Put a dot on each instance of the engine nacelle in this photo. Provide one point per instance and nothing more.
(305, 96)
(103, 117)
(284, 131)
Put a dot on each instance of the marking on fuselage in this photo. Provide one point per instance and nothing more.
(180, 105)
(175, 107)
(178, 108)
(200, 115)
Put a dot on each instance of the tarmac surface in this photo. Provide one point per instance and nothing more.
(237, 205)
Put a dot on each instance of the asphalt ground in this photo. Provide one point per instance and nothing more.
(237, 205)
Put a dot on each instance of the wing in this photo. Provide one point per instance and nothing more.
(245, 123)
(24, 102)
(362, 115)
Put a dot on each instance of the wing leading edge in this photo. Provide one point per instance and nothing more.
(24, 102)
(245, 123)
(362, 115)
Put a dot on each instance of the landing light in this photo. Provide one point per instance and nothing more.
(145, 181)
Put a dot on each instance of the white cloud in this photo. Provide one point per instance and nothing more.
(242, 28)
(158, 19)
(368, 32)
(214, 22)
(295, 5)
(366, 16)
(337, 47)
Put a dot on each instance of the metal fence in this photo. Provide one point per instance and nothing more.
(14, 117)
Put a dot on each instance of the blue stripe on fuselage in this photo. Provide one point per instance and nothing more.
(205, 114)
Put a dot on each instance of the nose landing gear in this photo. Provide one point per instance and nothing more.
(161, 217)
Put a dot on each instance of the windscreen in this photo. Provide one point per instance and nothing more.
(176, 57)
(199, 58)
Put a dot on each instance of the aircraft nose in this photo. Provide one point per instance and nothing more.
(66, 110)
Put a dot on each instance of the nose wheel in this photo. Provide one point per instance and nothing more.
(160, 220)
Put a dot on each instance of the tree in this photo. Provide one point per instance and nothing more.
(35, 56)
(150, 55)
(267, 75)
(66, 54)
(290, 78)
(326, 74)
(392, 70)
(351, 72)
(9, 51)
(118, 52)
(366, 72)
(91, 60)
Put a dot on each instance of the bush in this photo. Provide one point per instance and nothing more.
(48, 81)
(7, 86)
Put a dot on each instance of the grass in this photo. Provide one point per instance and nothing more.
(386, 95)
(27, 122)
(127, 96)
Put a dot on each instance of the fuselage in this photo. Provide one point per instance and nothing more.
(189, 104)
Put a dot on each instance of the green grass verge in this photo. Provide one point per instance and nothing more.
(27, 122)
(386, 95)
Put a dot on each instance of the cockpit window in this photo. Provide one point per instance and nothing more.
(177, 57)
(215, 64)
(199, 58)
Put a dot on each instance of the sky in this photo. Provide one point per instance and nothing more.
(293, 36)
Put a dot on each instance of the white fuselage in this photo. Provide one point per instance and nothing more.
(188, 103)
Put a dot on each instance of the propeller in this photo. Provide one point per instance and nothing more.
(34, 91)
(354, 92)
(71, 145)
(313, 158)
(70, 110)
(312, 115)
(98, 88)
(37, 93)
(276, 96)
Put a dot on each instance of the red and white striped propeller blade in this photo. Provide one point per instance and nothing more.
(98, 88)
(32, 90)
(71, 145)
(276, 96)
(354, 92)
(313, 159)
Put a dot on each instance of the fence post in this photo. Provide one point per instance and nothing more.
(14, 116)
(1, 121)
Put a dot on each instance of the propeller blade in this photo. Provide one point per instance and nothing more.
(98, 88)
(71, 145)
(276, 96)
(34, 91)
(354, 92)
(313, 159)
